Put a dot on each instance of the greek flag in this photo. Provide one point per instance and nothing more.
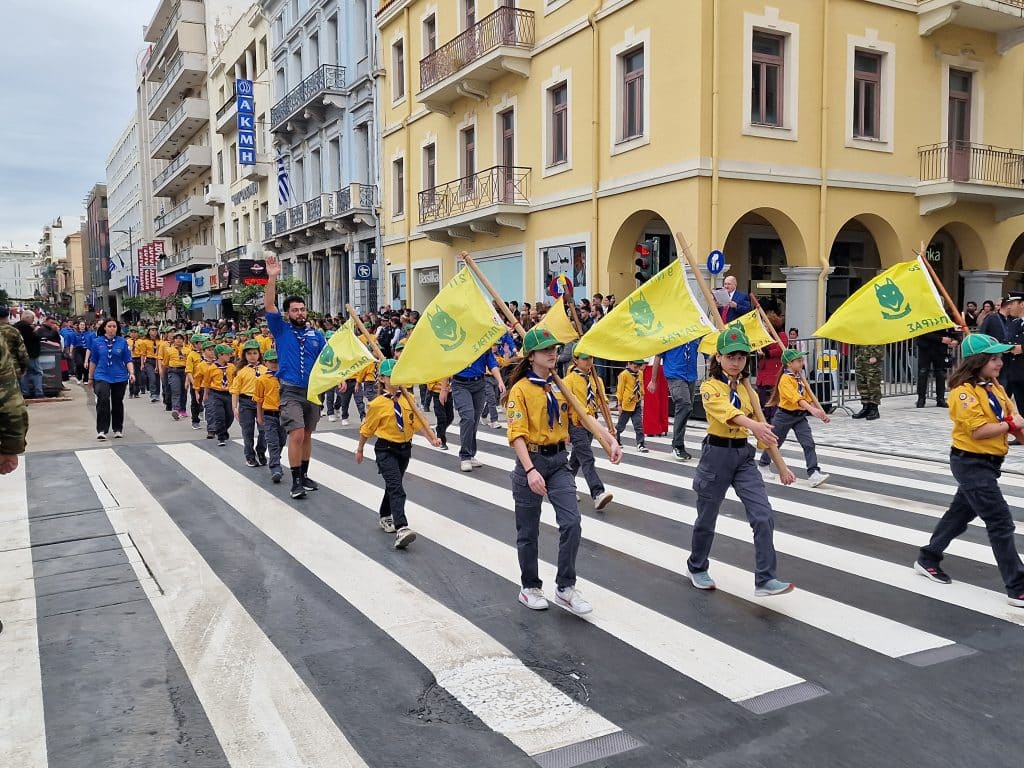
(132, 285)
(284, 193)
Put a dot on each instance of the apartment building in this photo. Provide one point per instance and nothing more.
(813, 142)
(324, 127)
(73, 275)
(19, 273)
(56, 284)
(124, 203)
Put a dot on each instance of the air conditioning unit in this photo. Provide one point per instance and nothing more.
(215, 194)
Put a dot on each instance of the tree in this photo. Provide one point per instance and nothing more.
(249, 298)
(291, 286)
(4, 298)
(146, 305)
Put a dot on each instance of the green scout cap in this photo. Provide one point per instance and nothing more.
(638, 362)
(253, 344)
(581, 355)
(387, 366)
(223, 349)
(198, 338)
(538, 338)
(733, 339)
(982, 344)
(789, 355)
(270, 355)
(209, 344)
(327, 335)
(178, 335)
(400, 344)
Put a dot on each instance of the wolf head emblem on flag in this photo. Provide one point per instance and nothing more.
(891, 297)
(446, 328)
(328, 362)
(643, 316)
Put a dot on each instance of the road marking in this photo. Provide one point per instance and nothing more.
(263, 720)
(22, 717)
(734, 674)
(487, 678)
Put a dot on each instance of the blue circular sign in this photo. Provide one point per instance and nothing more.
(364, 271)
(716, 262)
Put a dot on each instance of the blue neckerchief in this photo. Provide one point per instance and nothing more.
(734, 395)
(997, 409)
(223, 373)
(591, 400)
(255, 369)
(636, 385)
(399, 418)
(799, 382)
(552, 401)
(272, 374)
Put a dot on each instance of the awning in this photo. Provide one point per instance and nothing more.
(199, 303)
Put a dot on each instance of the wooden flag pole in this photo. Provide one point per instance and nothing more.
(380, 356)
(588, 421)
(954, 310)
(598, 383)
(773, 450)
(775, 335)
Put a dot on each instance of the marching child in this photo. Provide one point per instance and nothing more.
(630, 394)
(146, 349)
(199, 374)
(248, 371)
(491, 395)
(217, 397)
(195, 357)
(982, 417)
(581, 383)
(393, 422)
(538, 427)
(174, 360)
(353, 387)
(268, 414)
(444, 409)
(794, 403)
(727, 459)
(136, 386)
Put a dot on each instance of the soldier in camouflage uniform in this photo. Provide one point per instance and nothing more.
(13, 414)
(869, 380)
(15, 344)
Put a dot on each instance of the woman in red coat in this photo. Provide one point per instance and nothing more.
(655, 413)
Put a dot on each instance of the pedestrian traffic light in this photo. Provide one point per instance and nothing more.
(644, 261)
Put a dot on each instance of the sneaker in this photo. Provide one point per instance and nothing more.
(603, 500)
(387, 524)
(262, 460)
(101, 435)
(933, 572)
(298, 492)
(466, 466)
(196, 425)
(533, 598)
(495, 425)
(681, 455)
(578, 497)
(309, 485)
(641, 448)
(773, 587)
(474, 463)
(152, 399)
(404, 537)
(332, 418)
(816, 478)
(210, 435)
(221, 442)
(344, 422)
(275, 477)
(1016, 602)
(443, 446)
(175, 415)
(571, 598)
(118, 435)
(251, 463)
(702, 580)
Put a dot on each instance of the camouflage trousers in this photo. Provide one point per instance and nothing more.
(869, 380)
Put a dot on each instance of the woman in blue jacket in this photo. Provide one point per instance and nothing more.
(110, 371)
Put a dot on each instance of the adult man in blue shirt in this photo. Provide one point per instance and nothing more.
(468, 394)
(739, 302)
(298, 346)
(681, 373)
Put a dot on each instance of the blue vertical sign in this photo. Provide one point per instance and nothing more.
(246, 108)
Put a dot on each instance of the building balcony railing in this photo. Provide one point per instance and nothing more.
(227, 117)
(182, 217)
(478, 203)
(957, 171)
(181, 126)
(193, 256)
(185, 75)
(182, 170)
(310, 215)
(1005, 18)
(328, 79)
(498, 44)
(355, 197)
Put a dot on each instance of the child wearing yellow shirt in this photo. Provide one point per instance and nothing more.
(268, 414)
(174, 366)
(195, 357)
(580, 381)
(248, 371)
(217, 397)
(630, 394)
(444, 408)
(199, 372)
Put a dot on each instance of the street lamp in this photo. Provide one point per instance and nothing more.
(131, 261)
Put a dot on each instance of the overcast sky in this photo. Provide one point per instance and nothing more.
(67, 91)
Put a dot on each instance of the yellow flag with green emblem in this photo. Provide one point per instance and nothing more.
(455, 329)
(752, 326)
(342, 358)
(898, 304)
(557, 322)
(659, 315)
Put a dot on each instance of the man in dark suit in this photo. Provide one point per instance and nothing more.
(739, 302)
(998, 325)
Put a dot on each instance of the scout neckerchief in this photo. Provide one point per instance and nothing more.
(636, 385)
(799, 381)
(591, 401)
(223, 373)
(110, 350)
(255, 369)
(993, 401)
(300, 339)
(399, 418)
(734, 395)
(552, 401)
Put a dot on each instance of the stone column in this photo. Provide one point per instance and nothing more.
(338, 290)
(982, 284)
(802, 298)
(317, 283)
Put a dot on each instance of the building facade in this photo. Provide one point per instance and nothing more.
(814, 143)
(74, 280)
(124, 201)
(324, 128)
(56, 285)
(19, 273)
(96, 244)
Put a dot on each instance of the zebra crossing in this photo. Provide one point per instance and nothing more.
(281, 633)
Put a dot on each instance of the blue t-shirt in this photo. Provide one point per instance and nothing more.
(111, 357)
(479, 367)
(69, 335)
(681, 362)
(297, 349)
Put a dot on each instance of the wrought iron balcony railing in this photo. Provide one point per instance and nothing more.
(328, 77)
(268, 229)
(962, 161)
(367, 198)
(509, 27)
(499, 185)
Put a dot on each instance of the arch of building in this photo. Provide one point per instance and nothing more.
(959, 256)
(860, 248)
(621, 259)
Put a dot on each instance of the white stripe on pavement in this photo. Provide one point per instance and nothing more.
(263, 720)
(726, 670)
(22, 724)
(471, 665)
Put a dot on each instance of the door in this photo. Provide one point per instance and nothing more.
(506, 173)
(959, 142)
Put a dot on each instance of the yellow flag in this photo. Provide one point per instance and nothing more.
(900, 303)
(341, 359)
(754, 329)
(455, 329)
(659, 315)
(558, 323)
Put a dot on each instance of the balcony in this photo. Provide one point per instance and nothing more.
(195, 256)
(185, 77)
(182, 217)
(182, 171)
(497, 45)
(306, 222)
(956, 172)
(185, 31)
(215, 194)
(181, 126)
(1004, 18)
(477, 204)
(226, 120)
(324, 88)
(354, 205)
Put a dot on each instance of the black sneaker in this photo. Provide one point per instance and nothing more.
(309, 485)
(681, 455)
(298, 492)
(251, 463)
(933, 572)
(262, 460)
(275, 477)
(210, 435)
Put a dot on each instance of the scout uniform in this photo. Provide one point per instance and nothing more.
(217, 399)
(391, 419)
(265, 339)
(199, 381)
(133, 339)
(354, 388)
(582, 457)
(146, 350)
(267, 397)
(630, 393)
(975, 464)
(727, 459)
(174, 360)
(443, 412)
(161, 354)
(195, 358)
(537, 414)
(243, 388)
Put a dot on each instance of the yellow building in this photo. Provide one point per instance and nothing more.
(813, 141)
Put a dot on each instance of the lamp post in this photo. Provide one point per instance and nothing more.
(131, 261)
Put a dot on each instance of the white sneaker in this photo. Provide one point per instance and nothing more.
(533, 598)
(495, 425)
(118, 435)
(404, 537)
(344, 422)
(602, 501)
(578, 497)
(816, 478)
(387, 524)
(332, 418)
(571, 598)
(466, 466)
(642, 449)
(474, 463)
(101, 435)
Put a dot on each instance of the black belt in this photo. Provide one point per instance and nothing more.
(244, 397)
(546, 450)
(726, 442)
(270, 413)
(382, 443)
(971, 455)
(797, 412)
(466, 379)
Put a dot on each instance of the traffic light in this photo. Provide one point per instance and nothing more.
(645, 254)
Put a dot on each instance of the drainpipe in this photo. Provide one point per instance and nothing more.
(715, 145)
(595, 141)
(823, 245)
